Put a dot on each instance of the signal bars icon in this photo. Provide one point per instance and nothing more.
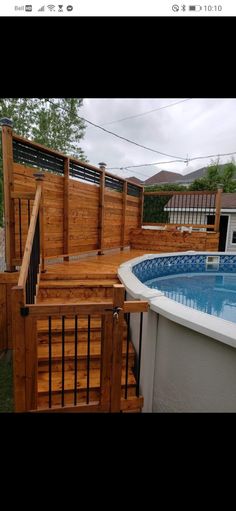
(41, 9)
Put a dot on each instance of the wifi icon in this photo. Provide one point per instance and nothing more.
(51, 7)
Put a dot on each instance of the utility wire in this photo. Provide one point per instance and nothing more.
(146, 113)
(118, 136)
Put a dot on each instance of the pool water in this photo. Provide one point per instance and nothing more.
(213, 293)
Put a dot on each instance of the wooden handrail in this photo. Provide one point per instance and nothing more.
(30, 238)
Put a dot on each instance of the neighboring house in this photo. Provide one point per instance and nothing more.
(164, 177)
(198, 216)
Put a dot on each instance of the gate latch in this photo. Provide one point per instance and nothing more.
(116, 311)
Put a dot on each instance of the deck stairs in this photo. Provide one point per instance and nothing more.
(65, 288)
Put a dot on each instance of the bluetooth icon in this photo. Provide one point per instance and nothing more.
(183, 8)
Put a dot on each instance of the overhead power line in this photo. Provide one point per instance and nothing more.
(119, 136)
(146, 113)
(170, 161)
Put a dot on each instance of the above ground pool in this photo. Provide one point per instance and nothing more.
(198, 288)
(189, 332)
(205, 283)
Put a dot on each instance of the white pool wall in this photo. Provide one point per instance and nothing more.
(188, 357)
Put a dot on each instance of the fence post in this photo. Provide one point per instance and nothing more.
(31, 364)
(39, 177)
(106, 363)
(218, 209)
(9, 216)
(141, 207)
(18, 335)
(124, 215)
(66, 208)
(101, 209)
(117, 341)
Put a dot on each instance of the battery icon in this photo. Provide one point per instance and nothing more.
(195, 7)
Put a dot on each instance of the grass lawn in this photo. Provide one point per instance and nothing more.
(6, 387)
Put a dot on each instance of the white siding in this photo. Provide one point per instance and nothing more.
(231, 247)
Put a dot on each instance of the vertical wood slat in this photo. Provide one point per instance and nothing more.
(118, 325)
(218, 209)
(141, 203)
(66, 208)
(19, 358)
(106, 362)
(101, 212)
(7, 153)
(124, 215)
(31, 363)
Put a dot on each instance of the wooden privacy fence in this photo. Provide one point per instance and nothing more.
(190, 209)
(85, 207)
(66, 384)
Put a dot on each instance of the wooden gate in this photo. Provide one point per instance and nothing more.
(64, 382)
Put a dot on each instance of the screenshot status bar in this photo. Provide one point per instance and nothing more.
(103, 8)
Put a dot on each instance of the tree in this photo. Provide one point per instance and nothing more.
(54, 123)
(217, 176)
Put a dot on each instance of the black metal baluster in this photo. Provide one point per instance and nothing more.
(50, 359)
(63, 362)
(88, 361)
(76, 346)
(20, 233)
(127, 355)
(139, 353)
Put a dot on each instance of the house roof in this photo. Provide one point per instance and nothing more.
(135, 180)
(163, 177)
(207, 201)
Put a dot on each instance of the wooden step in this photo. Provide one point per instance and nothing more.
(43, 379)
(56, 330)
(94, 391)
(71, 295)
(47, 276)
(56, 324)
(61, 284)
(82, 349)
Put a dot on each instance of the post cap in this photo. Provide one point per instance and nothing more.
(6, 122)
(39, 176)
(102, 165)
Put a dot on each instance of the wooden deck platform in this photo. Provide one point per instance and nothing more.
(97, 267)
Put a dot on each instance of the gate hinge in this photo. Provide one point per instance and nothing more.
(24, 311)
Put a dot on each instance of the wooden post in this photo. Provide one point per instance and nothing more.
(106, 363)
(124, 216)
(66, 208)
(39, 177)
(7, 153)
(101, 209)
(218, 209)
(18, 335)
(118, 327)
(141, 208)
(31, 363)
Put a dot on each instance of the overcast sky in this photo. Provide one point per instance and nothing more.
(192, 128)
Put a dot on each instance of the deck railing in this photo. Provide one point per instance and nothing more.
(190, 209)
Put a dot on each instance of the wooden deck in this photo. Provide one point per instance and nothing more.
(92, 267)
